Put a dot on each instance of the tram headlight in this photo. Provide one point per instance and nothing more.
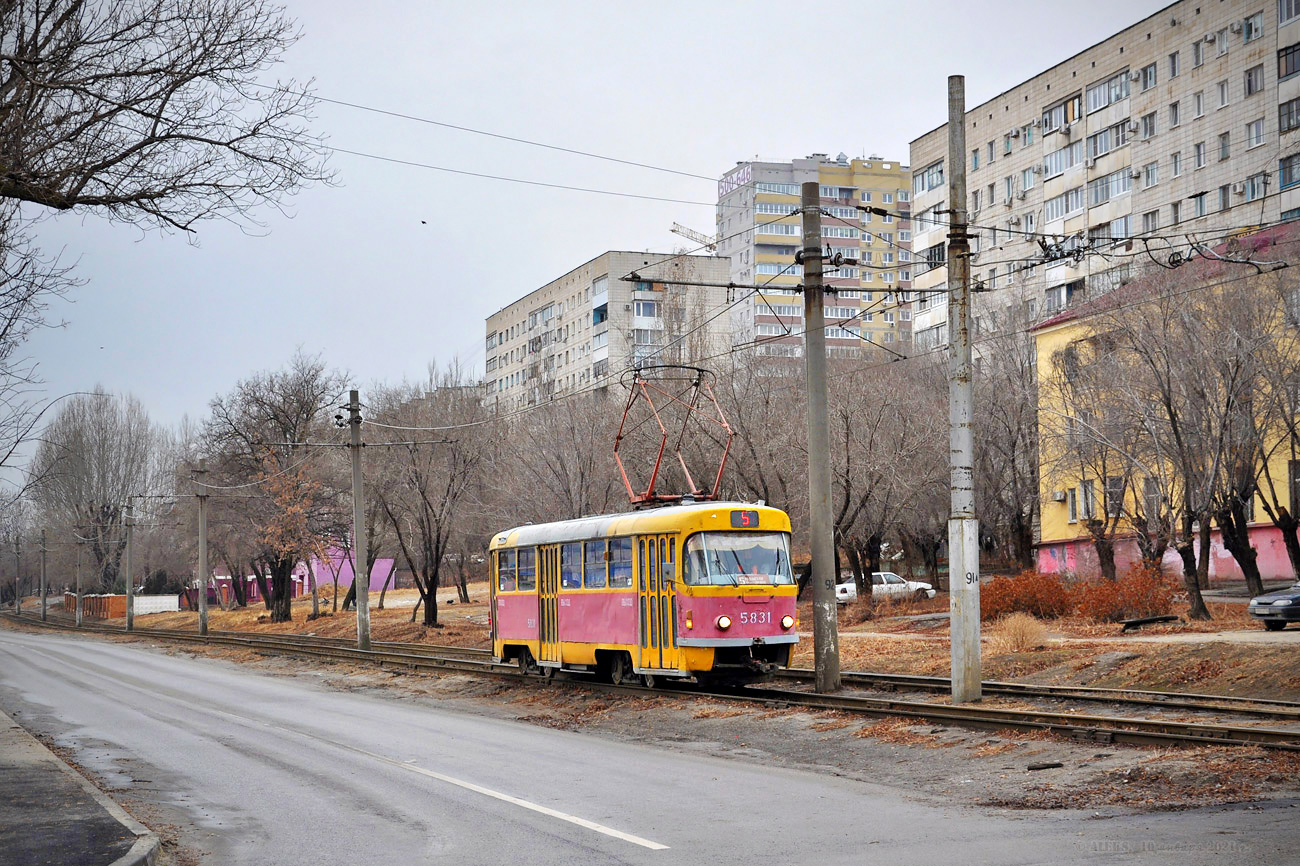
(724, 622)
(787, 621)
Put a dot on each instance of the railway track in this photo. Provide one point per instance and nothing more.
(1090, 728)
(1262, 707)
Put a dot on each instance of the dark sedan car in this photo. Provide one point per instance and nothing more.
(1277, 608)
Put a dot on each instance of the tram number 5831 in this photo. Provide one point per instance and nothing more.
(758, 617)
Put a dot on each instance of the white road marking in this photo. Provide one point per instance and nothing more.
(441, 777)
(506, 798)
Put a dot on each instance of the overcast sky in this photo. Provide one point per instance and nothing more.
(399, 266)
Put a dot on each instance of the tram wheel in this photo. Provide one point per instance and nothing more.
(650, 680)
(620, 669)
(526, 663)
(547, 672)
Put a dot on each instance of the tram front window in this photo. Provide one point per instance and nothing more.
(738, 558)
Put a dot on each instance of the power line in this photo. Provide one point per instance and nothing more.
(505, 179)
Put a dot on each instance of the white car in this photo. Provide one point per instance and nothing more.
(885, 585)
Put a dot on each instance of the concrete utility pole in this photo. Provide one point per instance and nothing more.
(44, 591)
(826, 649)
(18, 581)
(79, 604)
(360, 556)
(203, 546)
(128, 519)
(963, 527)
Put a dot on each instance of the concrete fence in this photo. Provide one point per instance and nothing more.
(114, 606)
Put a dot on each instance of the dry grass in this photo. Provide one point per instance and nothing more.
(461, 624)
(1017, 633)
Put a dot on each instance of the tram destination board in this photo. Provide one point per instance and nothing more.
(744, 519)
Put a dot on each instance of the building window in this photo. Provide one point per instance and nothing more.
(1056, 162)
(1225, 145)
(1199, 153)
(1176, 163)
(1255, 185)
(1062, 113)
(1255, 133)
(1088, 500)
(1150, 221)
(1221, 43)
(1174, 119)
(1254, 80)
(1006, 144)
(1225, 197)
(1223, 93)
(1288, 61)
(1288, 113)
(1198, 53)
(928, 178)
(1175, 213)
(1106, 92)
(1198, 103)
(992, 154)
(1030, 219)
(1027, 135)
(1289, 170)
(887, 198)
(1286, 11)
(1148, 76)
(1173, 65)
(1198, 205)
(1066, 203)
(1148, 125)
(1103, 142)
(649, 309)
(1150, 175)
(1072, 503)
(1253, 27)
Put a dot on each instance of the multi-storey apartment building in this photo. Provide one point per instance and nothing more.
(1185, 123)
(590, 325)
(759, 230)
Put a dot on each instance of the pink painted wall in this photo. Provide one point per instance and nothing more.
(1078, 557)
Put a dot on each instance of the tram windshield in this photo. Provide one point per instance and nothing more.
(738, 559)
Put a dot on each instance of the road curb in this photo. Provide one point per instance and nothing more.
(145, 849)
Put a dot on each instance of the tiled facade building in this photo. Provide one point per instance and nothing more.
(589, 326)
(760, 229)
(1187, 122)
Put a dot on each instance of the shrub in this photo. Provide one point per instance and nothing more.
(1141, 592)
(1042, 595)
(1017, 633)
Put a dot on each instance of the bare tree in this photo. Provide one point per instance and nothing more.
(257, 437)
(149, 111)
(97, 451)
(428, 481)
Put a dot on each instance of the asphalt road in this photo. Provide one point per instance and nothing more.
(268, 769)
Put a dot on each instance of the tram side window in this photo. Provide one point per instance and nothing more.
(595, 564)
(571, 566)
(528, 569)
(505, 571)
(620, 562)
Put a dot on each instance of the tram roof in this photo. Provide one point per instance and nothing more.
(662, 519)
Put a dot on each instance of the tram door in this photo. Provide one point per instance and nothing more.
(548, 581)
(657, 588)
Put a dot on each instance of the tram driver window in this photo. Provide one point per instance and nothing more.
(527, 569)
(595, 565)
(620, 562)
(505, 571)
(571, 566)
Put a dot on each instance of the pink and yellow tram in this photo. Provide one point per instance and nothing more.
(701, 590)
